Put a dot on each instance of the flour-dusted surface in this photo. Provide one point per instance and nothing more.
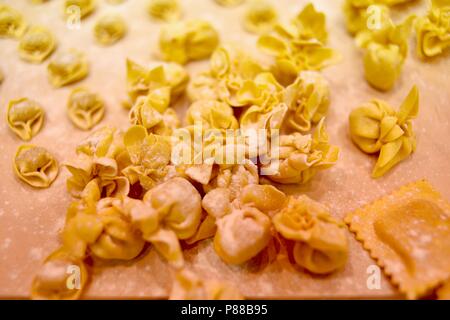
(30, 219)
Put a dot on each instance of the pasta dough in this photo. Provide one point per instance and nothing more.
(85, 108)
(35, 166)
(165, 10)
(25, 117)
(12, 23)
(408, 234)
(36, 44)
(67, 67)
(109, 29)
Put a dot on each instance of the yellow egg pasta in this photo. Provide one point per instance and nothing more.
(433, 31)
(35, 166)
(260, 17)
(85, 109)
(164, 10)
(229, 3)
(211, 114)
(36, 44)
(408, 235)
(12, 24)
(85, 7)
(25, 117)
(67, 67)
(109, 29)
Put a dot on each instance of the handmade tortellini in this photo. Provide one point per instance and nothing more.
(67, 67)
(241, 235)
(36, 44)
(187, 40)
(307, 100)
(165, 10)
(109, 29)
(320, 241)
(85, 7)
(35, 166)
(376, 127)
(260, 17)
(85, 108)
(25, 117)
(211, 114)
(12, 23)
(301, 156)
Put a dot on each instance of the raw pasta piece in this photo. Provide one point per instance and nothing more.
(67, 67)
(241, 235)
(187, 41)
(109, 29)
(61, 277)
(229, 3)
(376, 127)
(84, 7)
(307, 100)
(408, 234)
(85, 108)
(265, 198)
(260, 17)
(320, 241)
(356, 14)
(433, 31)
(212, 115)
(188, 286)
(164, 10)
(35, 166)
(36, 44)
(12, 24)
(25, 117)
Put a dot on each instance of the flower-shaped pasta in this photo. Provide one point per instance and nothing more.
(164, 10)
(433, 31)
(109, 29)
(85, 108)
(376, 127)
(35, 165)
(36, 44)
(260, 17)
(301, 156)
(62, 277)
(266, 116)
(67, 67)
(187, 286)
(25, 117)
(241, 235)
(355, 12)
(12, 23)
(85, 7)
(229, 3)
(211, 114)
(307, 100)
(188, 40)
(320, 241)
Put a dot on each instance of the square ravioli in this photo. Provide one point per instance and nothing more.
(408, 234)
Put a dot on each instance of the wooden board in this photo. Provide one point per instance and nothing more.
(30, 219)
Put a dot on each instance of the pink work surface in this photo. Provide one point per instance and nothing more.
(31, 219)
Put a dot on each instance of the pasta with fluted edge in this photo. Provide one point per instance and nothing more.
(321, 243)
(35, 166)
(164, 10)
(85, 108)
(25, 117)
(67, 67)
(260, 17)
(12, 23)
(83, 7)
(187, 41)
(36, 44)
(376, 128)
(109, 29)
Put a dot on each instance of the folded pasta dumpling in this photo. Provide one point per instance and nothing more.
(320, 241)
(12, 23)
(85, 108)
(84, 7)
(212, 115)
(376, 127)
(260, 17)
(35, 165)
(25, 117)
(109, 29)
(67, 67)
(265, 198)
(36, 44)
(433, 31)
(165, 10)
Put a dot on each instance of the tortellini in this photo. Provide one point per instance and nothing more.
(36, 44)
(12, 23)
(260, 17)
(187, 40)
(212, 114)
(85, 108)
(67, 67)
(307, 100)
(84, 7)
(301, 156)
(188, 286)
(376, 127)
(109, 29)
(320, 241)
(433, 31)
(25, 117)
(165, 10)
(35, 166)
